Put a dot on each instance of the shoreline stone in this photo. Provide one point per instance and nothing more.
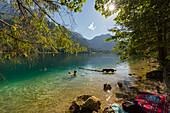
(107, 87)
(85, 104)
(141, 83)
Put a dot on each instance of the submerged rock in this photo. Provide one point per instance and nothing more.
(120, 85)
(130, 74)
(85, 104)
(107, 87)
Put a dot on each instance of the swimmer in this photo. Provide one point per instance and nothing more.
(74, 74)
(44, 69)
(69, 73)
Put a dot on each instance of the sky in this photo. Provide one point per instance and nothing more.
(91, 23)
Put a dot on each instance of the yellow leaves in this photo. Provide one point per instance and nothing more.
(14, 27)
(32, 34)
(13, 53)
(55, 51)
(45, 47)
(84, 1)
(25, 54)
(7, 56)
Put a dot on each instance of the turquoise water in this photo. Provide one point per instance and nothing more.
(31, 90)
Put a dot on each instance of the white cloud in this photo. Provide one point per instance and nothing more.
(91, 26)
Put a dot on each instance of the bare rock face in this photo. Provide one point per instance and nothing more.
(85, 104)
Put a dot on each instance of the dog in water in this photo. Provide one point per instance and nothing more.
(108, 70)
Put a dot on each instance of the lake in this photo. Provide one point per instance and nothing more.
(31, 90)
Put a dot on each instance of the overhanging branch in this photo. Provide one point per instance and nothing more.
(5, 23)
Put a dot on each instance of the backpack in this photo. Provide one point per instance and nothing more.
(132, 107)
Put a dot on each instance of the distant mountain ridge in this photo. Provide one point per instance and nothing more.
(7, 8)
(76, 37)
(96, 43)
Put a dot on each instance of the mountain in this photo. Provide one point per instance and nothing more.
(76, 37)
(7, 8)
(97, 43)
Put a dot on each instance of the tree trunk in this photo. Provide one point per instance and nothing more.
(166, 78)
(161, 49)
(165, 40)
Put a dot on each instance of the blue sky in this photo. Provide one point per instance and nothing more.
(91, 23)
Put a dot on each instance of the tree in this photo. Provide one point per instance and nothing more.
(142, 30)
(34, 30)
(142, 27)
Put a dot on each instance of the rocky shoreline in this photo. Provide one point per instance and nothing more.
(144, 80)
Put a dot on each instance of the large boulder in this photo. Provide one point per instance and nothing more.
(85, 104)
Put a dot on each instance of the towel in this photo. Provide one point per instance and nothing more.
(117, 108)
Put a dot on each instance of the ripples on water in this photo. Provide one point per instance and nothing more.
(31, 90)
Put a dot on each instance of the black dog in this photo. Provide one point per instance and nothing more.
(108, 70)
